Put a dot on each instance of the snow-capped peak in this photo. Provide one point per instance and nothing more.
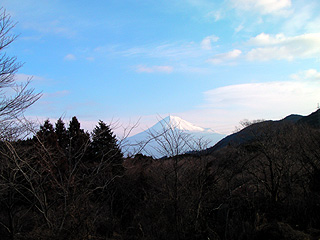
(175, 122)
(147, 142)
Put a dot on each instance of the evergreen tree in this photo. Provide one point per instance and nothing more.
(61, 132)
(46, 134)
(104, 147)
(78, 139)
(74, 127)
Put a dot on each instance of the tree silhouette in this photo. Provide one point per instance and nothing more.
(78, 140)
(61, 132)
(104, 147)
(47, 134)
(11, 105)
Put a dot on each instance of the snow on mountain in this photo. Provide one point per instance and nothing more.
(171, 136)
(178, 123)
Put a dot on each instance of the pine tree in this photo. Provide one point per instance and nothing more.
(78, 139)
(61, 132)
(47, 135)
(104, 147)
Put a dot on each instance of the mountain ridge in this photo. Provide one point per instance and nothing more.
(249, 133)
(147, 142)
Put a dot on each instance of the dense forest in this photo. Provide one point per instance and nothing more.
(58, 181)
(64, 183)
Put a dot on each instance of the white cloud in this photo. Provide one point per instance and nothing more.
(167, 50)
(313, 26)
(266, 39)
(206, 42)
(56, 94)
(225, 107)
(216, 15)
(154, 69)
(281, 47)
(223, 57)
(266, 98)
(304, 19)
(299, 20)
(271, 101)
(239, 28)
(263, 6)
(180, 51)
(310, 74)
(21, 77)
(49, 27)
(70, 57)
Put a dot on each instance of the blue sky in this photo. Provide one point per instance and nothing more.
(212, 63)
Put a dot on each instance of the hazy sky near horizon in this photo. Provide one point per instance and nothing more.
(212, 63)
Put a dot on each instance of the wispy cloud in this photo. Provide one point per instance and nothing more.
(225, 57)
(263, 96)
(176, 50)
(21, 77)
(70, 57)
(179, 50)
(56, 94)
(310, 74)
(281, 47)
(207, 42)
(270, 100)
(263, 6)
(55, 27)
(313, 25)
(154, 69)
(299, 19)
(239, 28)
(266, 39)
(216, 15)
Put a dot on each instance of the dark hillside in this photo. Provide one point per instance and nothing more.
(292, 118)
(312, 120)
(253, 131)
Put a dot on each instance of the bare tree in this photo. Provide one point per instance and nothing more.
(246, 123)
(14, 97)
(172, 142)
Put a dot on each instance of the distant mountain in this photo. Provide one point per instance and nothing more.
(245, 135)
(294, 118)
(251, 132)
(312, 120)
(171, 136)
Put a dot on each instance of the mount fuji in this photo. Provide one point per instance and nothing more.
(171, 136)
